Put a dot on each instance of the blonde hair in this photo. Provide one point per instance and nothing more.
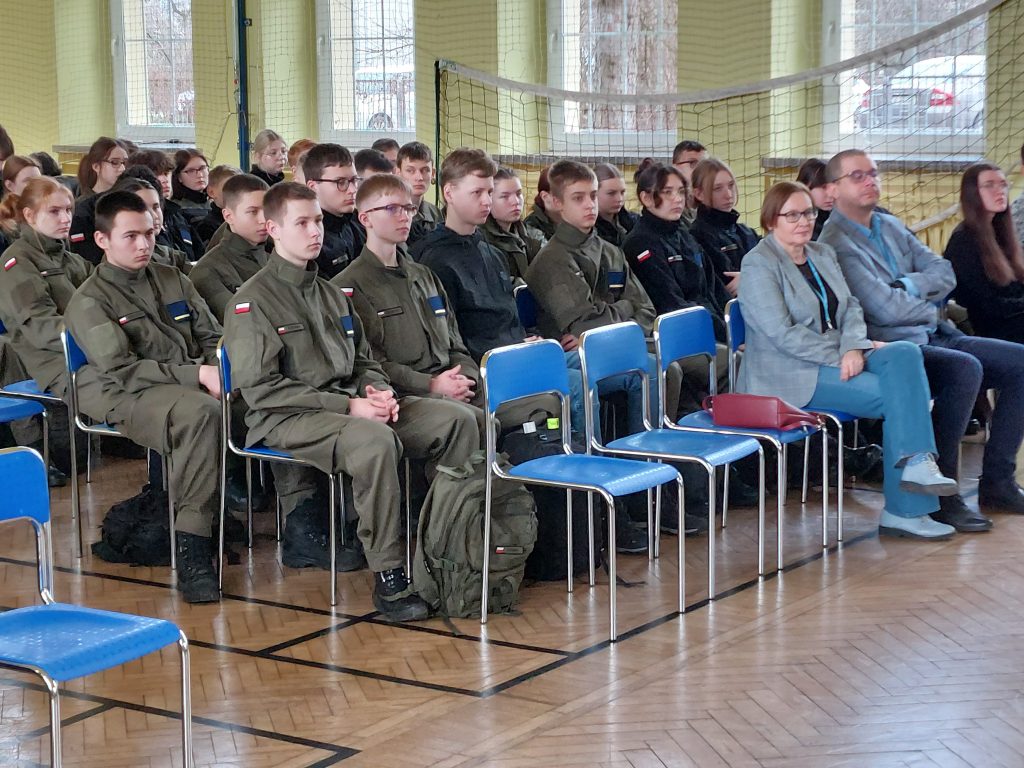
(264, 139)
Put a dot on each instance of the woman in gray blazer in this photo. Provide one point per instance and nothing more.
(806, 342)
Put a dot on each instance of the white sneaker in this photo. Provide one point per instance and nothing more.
(914, 527)
(924, 477)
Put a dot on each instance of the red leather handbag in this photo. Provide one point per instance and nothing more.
(738, 409)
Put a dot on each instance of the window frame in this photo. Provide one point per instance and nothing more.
(562, 141)
(183, 134)
(350, 137)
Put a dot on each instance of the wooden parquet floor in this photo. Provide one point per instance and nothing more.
(876, 653)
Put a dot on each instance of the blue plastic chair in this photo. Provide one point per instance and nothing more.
(538, 368)
(526, 306)
(74, 359)
(61, 642)
(737, 331)
(622, 349)
(689, 333)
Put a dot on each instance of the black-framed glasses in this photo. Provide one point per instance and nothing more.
(858, 176)
(196, 171)
(345, 182)
(794, 216)
(394, 209)
(116, 163)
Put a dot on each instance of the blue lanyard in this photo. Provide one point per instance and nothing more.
(822, 293)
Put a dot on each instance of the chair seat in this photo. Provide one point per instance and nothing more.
(714, 449)
(12, 408)
(69, 641)
(617, 477)
(703, 420)
(30, 388)
(843, 416)
(270, 453)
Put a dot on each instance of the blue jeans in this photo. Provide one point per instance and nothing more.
(958, 366)
(893, 386)
(629, 383)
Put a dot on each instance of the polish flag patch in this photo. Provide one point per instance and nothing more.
(241, 309)
(348, 291)
(643, 257)
(77, 237)
(10, 263)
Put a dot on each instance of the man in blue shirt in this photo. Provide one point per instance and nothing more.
(901, 285)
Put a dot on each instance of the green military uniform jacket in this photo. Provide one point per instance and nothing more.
(518, 246)
(139, 330)
(296, 346)
(406, 317)
(221, 271)
(39, 277)
(429, 214)
(171, 257)
(582, 282)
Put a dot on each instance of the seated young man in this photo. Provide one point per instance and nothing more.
(331, 173)
(208, 226)
(145, 189)
(151, 341)
(416, 165)
(402, 304)
(370, 163)
(303, 367)
(504, 228)
(387, 147)
(240, 254)
(900, 284)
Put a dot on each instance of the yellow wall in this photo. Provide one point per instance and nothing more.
(213, 65)
(85, 90)
(29, 107)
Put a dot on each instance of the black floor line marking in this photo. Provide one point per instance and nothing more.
(473, 638)
(270, 649)
(174, 715)
(66, 722)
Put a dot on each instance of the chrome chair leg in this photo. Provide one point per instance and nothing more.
(807, 468)
(568, 538)
(166, 461)
(711, 531)
(612, 576)
(248, 499)
(650, 524)
(760, 512)
(332, 482)
(76, 502)
(591, 545)
(53, 689)
(725, 496)
(682, 547)
(186, 704)
(408, 520)
(88, 457)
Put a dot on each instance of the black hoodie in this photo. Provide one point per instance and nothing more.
(723, 238)
(344, 239)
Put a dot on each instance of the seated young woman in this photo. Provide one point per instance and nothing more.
(807, 343)
(986, 255)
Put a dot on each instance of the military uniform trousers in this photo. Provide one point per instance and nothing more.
(438, 431)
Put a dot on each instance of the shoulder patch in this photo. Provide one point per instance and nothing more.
(10, 263)
(77, 237)
(643, 256)
(348, 291)
(242, 308)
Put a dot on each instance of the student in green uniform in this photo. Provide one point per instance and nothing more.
(240, 253)
(150, 341)
(416, 165)
(402, 304)
(504, 228)
(208, 226)
(304, 368)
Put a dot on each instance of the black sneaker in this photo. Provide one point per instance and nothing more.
(197, 580)
(55, 478)
(306, 539)
(630, 537)
(395, 599)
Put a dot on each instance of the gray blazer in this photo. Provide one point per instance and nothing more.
(892, 314)
(786, 343)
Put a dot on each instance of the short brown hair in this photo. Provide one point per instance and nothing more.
(112, 203)
(240, 184)
(704, 174)
(811, 173)
(298, 149)
(465, 161)
(566, 172)
(381, 184)
(221, 173)
(776, 198)
(414, 150)
(324, 156)
(834, 169)
(275, 202)
(386, 144)
(158, 162)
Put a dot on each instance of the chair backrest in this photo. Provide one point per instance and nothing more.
(224, 364)
(74, 357)
(608, 351)
(526, 306)
(735, 328)
(3, 328)
(522, 370)
(683, 333)
(23, 486)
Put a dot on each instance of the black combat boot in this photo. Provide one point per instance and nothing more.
(395, 599)
(306, 539)
(197, 580)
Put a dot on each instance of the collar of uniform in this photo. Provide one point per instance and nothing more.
(660, 226)
(300, 277)
(498, 236)
(120, 276)
(372, 261)
(46, 245)
(722, 219)
(571, 236)
(236, 245)
(191, 195)
(334, 222)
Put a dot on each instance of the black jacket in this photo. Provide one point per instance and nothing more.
(181, 232)
(476, 278)
(615, 231)
(673, 269)
(270, 179)
(994, 311)
(344, 239)
(210, 223)
(83, 226)
(195, 205)
(723, 238)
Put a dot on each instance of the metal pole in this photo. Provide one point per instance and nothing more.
(242, 23)
(437, 127)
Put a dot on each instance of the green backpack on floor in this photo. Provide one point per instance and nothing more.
(448, 563)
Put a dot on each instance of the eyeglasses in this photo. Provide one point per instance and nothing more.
(394, 209)
(116, 163)
(858, 176)
(195, 171)
(794, 216)
(991, 185)
(345, 182)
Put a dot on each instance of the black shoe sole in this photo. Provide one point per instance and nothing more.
(413, 613)
(970, 526)
(205, 595)
(899, 533)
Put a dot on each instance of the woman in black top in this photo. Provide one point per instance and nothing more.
(189, 180)
(986, 256)
(670, 264)
(269, 154)
(811, 174)
(717, 227)
(614, 222)
(541, 224)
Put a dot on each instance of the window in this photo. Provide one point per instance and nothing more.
(614, 47)
(925, 101)
(366, 76)
(154, 94)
